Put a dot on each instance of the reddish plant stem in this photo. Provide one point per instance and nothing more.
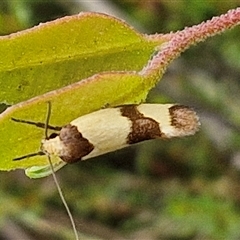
(182, 40)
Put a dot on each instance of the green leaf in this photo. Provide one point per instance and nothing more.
(61, 52)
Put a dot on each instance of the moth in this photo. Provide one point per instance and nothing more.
(109, 129)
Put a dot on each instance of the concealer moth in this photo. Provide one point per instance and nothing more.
(109, 129)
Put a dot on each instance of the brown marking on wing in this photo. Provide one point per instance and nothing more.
(75, 145)
(184, 118)
(143, 128)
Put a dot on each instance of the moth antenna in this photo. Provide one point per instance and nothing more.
(47, 119)
(46, 126)
(29, 155)
(37, 124)
(60, 192)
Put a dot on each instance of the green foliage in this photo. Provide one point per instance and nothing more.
(181, 189)
(67, 50)
(201, 216)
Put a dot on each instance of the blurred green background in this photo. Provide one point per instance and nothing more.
(179, 189)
